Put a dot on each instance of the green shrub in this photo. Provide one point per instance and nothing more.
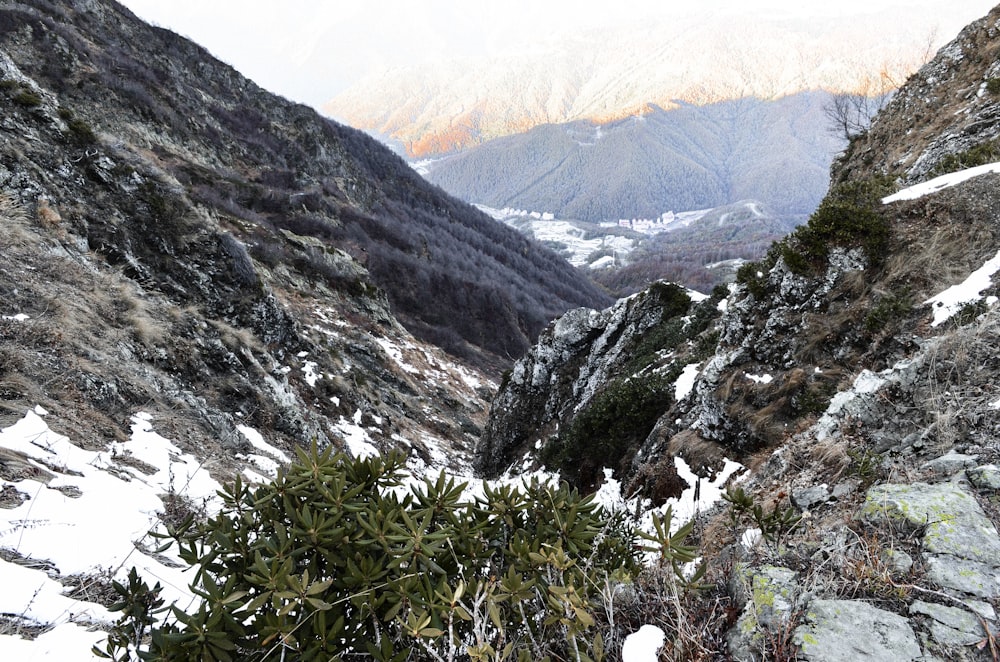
(774, 523)
(887, 311)
(613, 423)
(993, 85)
(672, 298)
(987, 152)
(80, 132)
(28, 99)
(337, 560)
(849, 216)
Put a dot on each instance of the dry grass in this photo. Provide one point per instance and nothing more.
(236, 339)
(831, 454)
(47, 215)
(959, 386)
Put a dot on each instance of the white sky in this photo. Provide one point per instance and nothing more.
(309, 50)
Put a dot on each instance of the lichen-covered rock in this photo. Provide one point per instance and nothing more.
(850, 630)
(986, 477)
(769, 595)
(955, 522)
(950, 626)
(960, 574)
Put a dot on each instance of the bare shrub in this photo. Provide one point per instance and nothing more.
(47, 215)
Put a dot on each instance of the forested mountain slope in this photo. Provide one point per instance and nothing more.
(685, 158)
(262, 166)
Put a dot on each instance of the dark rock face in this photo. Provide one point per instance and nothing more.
(595, 374)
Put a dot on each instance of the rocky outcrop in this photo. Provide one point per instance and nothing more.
(580, 365)
(946, 116)
(854, 370)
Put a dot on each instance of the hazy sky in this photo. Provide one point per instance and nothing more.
(309, 50)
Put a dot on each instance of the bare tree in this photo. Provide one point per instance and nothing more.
(851, 113)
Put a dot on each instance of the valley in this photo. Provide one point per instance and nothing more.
(266, 393)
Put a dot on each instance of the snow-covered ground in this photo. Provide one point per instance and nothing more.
(952, 300)
(570, 238)
(74, 517)
(83, 517)
(939, 183)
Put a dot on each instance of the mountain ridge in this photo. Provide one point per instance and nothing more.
(457, 105)
(691, 157)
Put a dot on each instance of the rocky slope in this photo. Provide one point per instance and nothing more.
(852, 371)
(263, 166)
(945, 118)
(179, 241)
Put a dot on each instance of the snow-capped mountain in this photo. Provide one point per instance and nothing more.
(604, 74)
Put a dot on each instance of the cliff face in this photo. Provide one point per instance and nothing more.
(852, 370)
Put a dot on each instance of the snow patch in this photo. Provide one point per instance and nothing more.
(952, 300)
(866, 382)
(685, 383)
(644, 645)
(939, 183)
(256, 440)
(359, 443)
(309, 372)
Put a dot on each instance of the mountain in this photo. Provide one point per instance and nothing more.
(851, 371)
(617, 70)
(690, 157)
(263, 167)
(837, 403)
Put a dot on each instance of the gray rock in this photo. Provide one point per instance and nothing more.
(808, 497)
(950, 626)
(850, 630)
(847, 488)
(985, 477)
(984, 609)
(768, 595)
(949, 464)
(963, 575)
(898, 561)
(956, 524)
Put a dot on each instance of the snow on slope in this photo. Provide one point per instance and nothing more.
(83, 517)
(73, 517)
(942, 182)
(953, 299)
